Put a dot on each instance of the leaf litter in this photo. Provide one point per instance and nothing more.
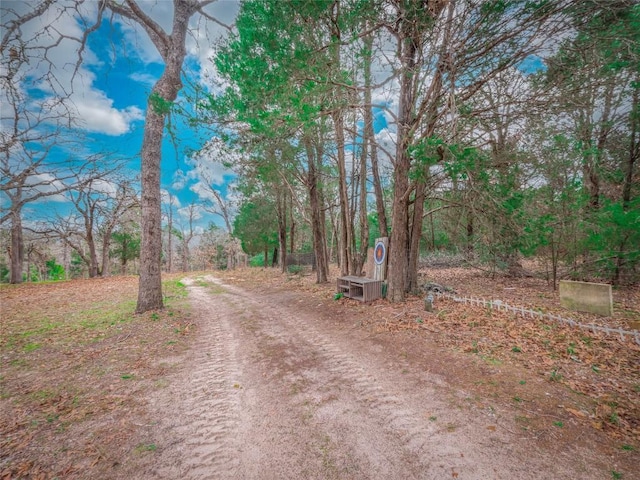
(69, 411)
(67, 347)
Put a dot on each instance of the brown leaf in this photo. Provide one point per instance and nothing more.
(577, 413)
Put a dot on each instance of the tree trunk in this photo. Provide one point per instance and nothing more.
(162, 96)
(106, 243)
(150, 283)
(415, 237)
(231, 253)
(364, 220)
(281, 213)
(346, 232)
(170, 238)
(292, 226)
(634, 153)
(123, 258)
(469, 249)
(398, 254)
(634, 149)
(317, 217)
(93, 256)
(370, 139)
(17, 247)
(185, 256)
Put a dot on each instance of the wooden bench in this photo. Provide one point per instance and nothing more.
(360, 288)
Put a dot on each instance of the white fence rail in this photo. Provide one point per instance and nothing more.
(500, 305)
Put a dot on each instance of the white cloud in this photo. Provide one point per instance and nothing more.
(209, 164)
(179, 180)
(98, 115)
(169, 198)
(46, 183)
(205, 35)
(52, 66)
(105, 187)
(144, 78)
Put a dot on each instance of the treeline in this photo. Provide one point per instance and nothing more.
(94, 231)
(495, 129)
(67, 206)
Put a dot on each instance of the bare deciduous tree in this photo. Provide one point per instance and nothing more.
(35, 135)
(100, 205)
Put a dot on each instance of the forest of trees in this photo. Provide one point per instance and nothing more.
(496, 131)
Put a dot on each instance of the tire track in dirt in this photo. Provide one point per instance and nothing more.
(270, 392)
(203, 405)
(361, 418)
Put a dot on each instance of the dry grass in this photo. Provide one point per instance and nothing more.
(78, 367)
(76, 364)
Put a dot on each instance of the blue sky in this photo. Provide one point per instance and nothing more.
(111, 88)
(120, 68)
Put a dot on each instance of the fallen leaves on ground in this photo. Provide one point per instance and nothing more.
(601, 367)
(77, 364)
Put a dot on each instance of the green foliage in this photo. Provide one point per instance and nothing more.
(495, 204)
(32, 275)
(54, 271)
(426, 153)
(374, 229)
(4, 272)
(613, 238)
(295, 269)
(555, 376)
(174, 289)
(256, 225)
(125, 246)
(159, 104)
(77, 266)
(257, 260)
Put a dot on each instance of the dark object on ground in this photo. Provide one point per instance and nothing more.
(437, 288)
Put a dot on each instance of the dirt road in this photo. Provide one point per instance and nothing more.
(272, 390)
